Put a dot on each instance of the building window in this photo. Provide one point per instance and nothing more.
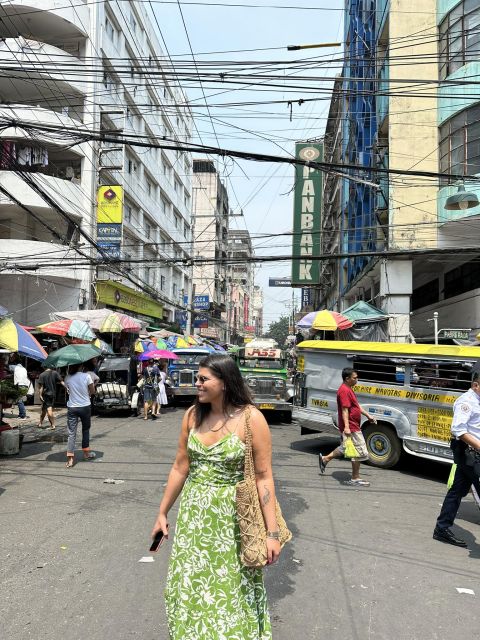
(109, 29)
(462, 279)
(459, 37)
(148, 229)
(174, 290)
(149, 187)
(162, 283)
(428, 293)
(128, 213)
(460, 143)
(133, 23)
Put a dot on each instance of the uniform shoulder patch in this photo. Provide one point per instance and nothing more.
(465, 408)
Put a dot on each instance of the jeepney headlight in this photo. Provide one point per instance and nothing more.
(174, 376)
(251, 382)
(279, 384)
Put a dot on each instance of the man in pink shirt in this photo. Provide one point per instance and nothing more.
(349, 419)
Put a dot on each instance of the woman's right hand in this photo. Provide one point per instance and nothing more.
(161, 524)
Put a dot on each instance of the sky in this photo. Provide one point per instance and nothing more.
(261, 190)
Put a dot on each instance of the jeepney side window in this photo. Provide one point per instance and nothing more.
(455, 376)
(380, 370)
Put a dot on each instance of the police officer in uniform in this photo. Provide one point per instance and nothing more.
(465, 444)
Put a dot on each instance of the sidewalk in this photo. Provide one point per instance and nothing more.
(28, 428)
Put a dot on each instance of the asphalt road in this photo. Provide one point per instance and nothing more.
(362, 564)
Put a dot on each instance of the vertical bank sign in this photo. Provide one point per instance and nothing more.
(109, 220)
(307, 210)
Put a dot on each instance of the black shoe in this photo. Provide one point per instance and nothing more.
(321, 463)
(445, 535)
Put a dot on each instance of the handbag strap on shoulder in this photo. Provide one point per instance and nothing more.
(249, 471)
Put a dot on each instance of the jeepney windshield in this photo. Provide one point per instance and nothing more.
(260, 363)
(189, 358)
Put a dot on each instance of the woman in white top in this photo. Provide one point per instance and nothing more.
(162, 394)
(80, 388)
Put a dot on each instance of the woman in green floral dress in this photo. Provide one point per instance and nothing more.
(209, 594)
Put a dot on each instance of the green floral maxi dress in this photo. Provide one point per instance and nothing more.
(209, 594)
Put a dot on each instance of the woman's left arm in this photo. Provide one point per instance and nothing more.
(262, 457)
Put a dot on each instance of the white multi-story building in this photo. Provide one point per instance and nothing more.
(90, 67)
(211, 213)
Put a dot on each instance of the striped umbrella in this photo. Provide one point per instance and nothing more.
(15, 338)
(159, 343)
(325, 321)
(103, 346)
(141, 346)
(73, 328)
(176, 342)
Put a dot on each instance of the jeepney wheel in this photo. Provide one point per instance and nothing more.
(383, 444)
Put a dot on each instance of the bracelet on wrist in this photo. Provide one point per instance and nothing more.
(274, 535)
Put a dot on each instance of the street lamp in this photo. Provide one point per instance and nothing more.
(435, 325)
(297, 47)
(461, 200)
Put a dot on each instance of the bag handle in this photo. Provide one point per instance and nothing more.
(249, 467)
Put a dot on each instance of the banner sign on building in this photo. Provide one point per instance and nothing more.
(246, 310)
(181, 318)
(109, 221)
(201, 303)
(110, 249)
(306, 298)
(307, 209)
(280, 282)
(115, 294)
(110, 204)
(200, 321)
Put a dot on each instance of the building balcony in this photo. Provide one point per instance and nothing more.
(39, 72)
(53, 21)
(66, 194)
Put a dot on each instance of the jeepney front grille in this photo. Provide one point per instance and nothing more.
(264, 387)
(186, 378)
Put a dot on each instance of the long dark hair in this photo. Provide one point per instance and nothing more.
(237, 393)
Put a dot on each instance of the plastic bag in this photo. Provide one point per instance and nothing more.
(451, 477)
(350, 451)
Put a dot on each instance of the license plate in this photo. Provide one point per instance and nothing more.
(266, 406)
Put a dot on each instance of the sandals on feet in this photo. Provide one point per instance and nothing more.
(321, 463)
(69, 463)
(89, 456)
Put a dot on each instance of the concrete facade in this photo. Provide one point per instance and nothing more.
(109, 87)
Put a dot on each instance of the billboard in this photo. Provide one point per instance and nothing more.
(280, 282)
(110, 204)
(307, 210)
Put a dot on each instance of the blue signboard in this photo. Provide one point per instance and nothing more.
(201, 303)
(306, 298)
(110, 249)
(181, 318)
(109, 231)
(200, 321)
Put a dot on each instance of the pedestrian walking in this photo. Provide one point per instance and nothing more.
(465, 444)
(80, 389)
(48, 381)
(151, 375)
(22, 381)
(162, 393)
(209, 594)
(349, 418)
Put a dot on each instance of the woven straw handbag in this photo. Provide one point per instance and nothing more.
(253, 534)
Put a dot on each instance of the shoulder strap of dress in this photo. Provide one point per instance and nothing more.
(249, 471)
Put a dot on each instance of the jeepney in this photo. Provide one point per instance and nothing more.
(264, 369)
(182, 372)
(117, 385)
(409, 388)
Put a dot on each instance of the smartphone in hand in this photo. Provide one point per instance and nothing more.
(157, 541)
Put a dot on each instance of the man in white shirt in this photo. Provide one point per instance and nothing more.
(465, 445)
(80, 388)
(20, 379)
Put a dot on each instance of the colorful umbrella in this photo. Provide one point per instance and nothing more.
(14, 338)
(176, 342)
(144, 345)
(73, 328)
(159, 343)
(194, 340)
(157, 354)
(118, 322)
(325, 321)
(103, 346)
(72, 354)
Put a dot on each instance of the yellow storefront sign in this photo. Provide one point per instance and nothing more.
(110, 204)
(405, 394)
(316, 402)
(434, 423)
(118, 295)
